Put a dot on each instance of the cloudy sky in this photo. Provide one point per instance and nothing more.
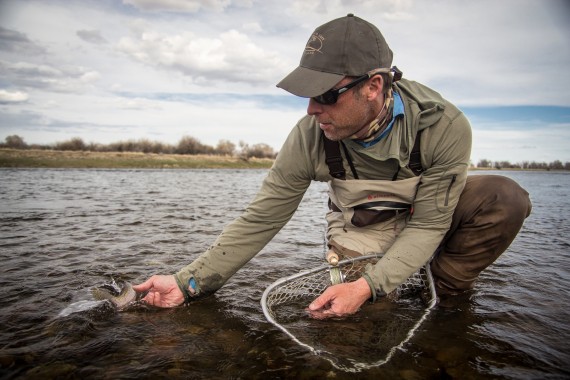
(114, 70)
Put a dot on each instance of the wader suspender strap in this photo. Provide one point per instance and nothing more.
(415, 163)
(349, 159)
(333, 158)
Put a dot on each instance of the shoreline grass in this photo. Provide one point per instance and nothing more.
(18, 158)
(58, 159)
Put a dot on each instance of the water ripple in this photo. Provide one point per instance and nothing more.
(64, 231)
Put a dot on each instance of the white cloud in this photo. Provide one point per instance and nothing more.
(92, 36)
(90, 77)
(18, 42)
(135, 104)
(13, 96)
(231, 56)
(398, 16)
(252, 27)
(42, 76)
(191, 6)
(32, 69)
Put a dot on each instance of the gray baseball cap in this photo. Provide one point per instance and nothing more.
(347, 46)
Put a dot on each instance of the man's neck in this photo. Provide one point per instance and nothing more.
(379, 114)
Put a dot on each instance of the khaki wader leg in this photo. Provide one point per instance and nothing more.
(490, 213)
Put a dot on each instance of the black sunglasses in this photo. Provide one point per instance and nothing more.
(331, 96)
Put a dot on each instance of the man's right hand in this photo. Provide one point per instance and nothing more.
(341, 299)
(163, 291)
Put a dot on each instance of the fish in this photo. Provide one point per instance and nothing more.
(119, 293)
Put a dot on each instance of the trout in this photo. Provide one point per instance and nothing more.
(120, 293)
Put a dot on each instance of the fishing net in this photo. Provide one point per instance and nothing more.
(367, 339)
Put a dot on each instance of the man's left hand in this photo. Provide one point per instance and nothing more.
(340, 300)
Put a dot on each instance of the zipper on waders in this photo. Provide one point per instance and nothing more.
(449, 189)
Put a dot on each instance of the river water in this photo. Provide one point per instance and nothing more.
(65, 231)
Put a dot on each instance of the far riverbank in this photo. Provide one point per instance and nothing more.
(57, 159)
(19, 158)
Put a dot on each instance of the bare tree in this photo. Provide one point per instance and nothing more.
(190, 145)
(225, 147)
(259, 151)
(75, 143)
(15, 142)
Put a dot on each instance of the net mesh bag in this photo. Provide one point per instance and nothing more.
(364, 340)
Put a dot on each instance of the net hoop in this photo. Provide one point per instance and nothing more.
(355, 365)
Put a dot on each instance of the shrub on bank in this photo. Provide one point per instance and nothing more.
(187, 145)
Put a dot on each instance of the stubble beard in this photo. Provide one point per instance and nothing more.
(338, 136)
(348, 130)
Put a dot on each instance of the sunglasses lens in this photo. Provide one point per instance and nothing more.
(328, 97)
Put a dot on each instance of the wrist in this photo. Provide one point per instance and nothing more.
(371, 287)
(363, 288)
(183, 289)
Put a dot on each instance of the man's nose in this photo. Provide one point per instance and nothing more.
(314, 108)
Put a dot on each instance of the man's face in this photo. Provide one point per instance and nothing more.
(351, 114)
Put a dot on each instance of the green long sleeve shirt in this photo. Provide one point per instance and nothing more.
(445, 152)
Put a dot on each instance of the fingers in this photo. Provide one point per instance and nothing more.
(321, 301)
(151, 298)
(162, 291)
(147, 285)
(326, 300)
(341, 299)
(155, 298)
(322, 313)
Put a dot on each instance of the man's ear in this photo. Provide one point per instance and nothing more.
(375, 86)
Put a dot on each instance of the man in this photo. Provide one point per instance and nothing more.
(395, 154)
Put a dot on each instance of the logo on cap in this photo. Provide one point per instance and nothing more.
(315, 44)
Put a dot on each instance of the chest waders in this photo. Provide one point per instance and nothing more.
(353, 204)
(365, 216)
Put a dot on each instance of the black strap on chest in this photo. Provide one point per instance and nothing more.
(415, 163)
(333, 158)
